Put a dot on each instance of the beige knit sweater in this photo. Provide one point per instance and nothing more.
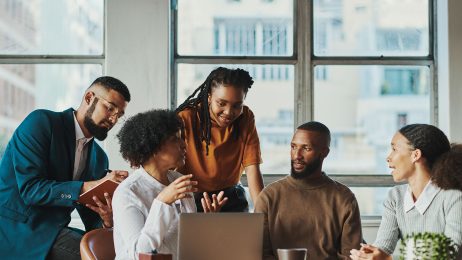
(316, 213)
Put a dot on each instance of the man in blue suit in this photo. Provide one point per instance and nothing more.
(51, 159)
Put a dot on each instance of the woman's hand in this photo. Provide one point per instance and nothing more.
(104, 210)
(216, 203)
(178, 189)
(369, 252)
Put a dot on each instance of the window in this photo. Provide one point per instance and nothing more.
(364, 69)
(403, 39)
(69, 33)
(404, 82)
(372, 67)
(235, 36)
(371, 28)
(204, 29)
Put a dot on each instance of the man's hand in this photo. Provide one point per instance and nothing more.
(178, 189)
(216, 204)
(117, 176)
(103, 210)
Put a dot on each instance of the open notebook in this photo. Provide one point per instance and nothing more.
(98, 191)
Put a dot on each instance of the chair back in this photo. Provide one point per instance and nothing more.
(97, 244)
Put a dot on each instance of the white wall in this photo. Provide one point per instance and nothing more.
(450, 68)
(455, 68)
(137, 52)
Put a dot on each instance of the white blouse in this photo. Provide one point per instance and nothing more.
(143, 223)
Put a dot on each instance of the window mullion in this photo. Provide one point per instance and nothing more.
(303, 103)
(400, 61)
(351, 180)
(51, 59)
(235, 60)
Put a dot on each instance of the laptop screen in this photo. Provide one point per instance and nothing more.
(204, 236)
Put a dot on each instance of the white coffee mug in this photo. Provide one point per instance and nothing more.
(292, 253)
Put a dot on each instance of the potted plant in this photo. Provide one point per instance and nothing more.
(428, 246)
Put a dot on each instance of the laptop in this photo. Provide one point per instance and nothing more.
(224, 236)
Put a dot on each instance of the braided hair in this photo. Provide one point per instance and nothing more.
(428, 139)
(238, 78)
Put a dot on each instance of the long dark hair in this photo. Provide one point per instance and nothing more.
(238, 78)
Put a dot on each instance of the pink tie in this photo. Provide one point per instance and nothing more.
(79, 164)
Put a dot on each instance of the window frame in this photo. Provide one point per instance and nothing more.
(61, 59)
(304, 62)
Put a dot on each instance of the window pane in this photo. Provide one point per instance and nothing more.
(370, 200)
(271, 99)
(51, 27)
(247, 28)
(371, 104)
(25, 87)
(371, 28)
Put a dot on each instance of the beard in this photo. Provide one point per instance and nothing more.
(309, 169)
(98, 132)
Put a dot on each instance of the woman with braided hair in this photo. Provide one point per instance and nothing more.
(222, 139)
(428, 203)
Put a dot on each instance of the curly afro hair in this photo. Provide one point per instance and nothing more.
(428, 139)
(447, 171)
(144, 133)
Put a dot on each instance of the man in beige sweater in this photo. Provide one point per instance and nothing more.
(308, 209)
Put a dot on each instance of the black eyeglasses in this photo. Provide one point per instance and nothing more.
(111, 109)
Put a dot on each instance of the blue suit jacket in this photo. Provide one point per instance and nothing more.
(37, 194)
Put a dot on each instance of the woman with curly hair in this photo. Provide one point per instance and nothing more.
(420, 205)
(222, 138)
(447, 173)
(146, 206)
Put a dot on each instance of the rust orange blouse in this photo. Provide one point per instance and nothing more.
(227, 157)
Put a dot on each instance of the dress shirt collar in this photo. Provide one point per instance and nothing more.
(424, 200)
(153, 182)
(78, 131)
(149, 180)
